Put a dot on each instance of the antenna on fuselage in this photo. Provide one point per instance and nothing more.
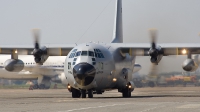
(118, 27)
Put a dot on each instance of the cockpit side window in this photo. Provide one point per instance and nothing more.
(91, 53)
(98, 53)
(78, 53)
(102, 56)
(73, 55)
(70, 56)
(99, 56)
(84, 53)
(74, 50)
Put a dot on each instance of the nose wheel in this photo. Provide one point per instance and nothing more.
(83, 93)
(75, 93)
(90, 93)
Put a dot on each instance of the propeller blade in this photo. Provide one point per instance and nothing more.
(153, 33)
(36, 33)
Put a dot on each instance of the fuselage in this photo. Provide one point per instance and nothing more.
(98, 66)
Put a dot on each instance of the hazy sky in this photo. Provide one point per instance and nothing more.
(77, 21)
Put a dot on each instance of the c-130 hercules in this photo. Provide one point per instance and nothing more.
(94, 68)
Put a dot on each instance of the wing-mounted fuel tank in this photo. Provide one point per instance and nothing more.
(189, 65)
(14, 65)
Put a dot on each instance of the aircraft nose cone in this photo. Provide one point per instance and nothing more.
(84, 73)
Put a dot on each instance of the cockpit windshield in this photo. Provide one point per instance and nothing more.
(84, 53)
(97, 53)
(91, 53)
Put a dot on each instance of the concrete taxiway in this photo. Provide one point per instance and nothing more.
(159, 99)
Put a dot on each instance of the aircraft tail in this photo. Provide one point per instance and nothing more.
(118, 27)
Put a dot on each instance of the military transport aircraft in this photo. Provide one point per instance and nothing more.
(93, 67)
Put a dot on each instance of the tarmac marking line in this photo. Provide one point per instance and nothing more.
(189, 106)
(103, 106)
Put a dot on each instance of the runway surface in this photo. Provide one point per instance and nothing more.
(159, 99)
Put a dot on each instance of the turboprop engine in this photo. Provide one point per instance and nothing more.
(155, 52)
(40, 54)
(14, 65)
(189, 65)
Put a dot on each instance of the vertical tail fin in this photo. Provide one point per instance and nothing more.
(118, 27)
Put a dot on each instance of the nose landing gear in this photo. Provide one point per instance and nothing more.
(75, 93)
(90, 93)
(81, 93)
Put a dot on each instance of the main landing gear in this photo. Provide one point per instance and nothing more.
(126, 92)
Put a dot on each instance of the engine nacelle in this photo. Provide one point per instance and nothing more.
(189, 65)
(14, 65)
(156, 54)
(40, 55)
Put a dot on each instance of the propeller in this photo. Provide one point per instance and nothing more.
(153, 33)
(154, 51)
(37, 51)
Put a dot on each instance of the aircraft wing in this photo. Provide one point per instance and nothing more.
(134, 48)
(53, 50)
(142, 49)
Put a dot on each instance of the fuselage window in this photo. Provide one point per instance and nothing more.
(84, 53)
(75, 59)
(78, 53)
(94, 63)
(91, 53)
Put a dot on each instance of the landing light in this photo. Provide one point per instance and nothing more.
(184, 51)
(129, 86)
(114, 79)
(15, 51)
(68, 86)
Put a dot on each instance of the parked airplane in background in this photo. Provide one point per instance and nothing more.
(94, 67)
(29, 71)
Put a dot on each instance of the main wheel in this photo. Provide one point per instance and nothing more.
(126, 93)
(83, 93)
(75, 93)
(90, 93)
